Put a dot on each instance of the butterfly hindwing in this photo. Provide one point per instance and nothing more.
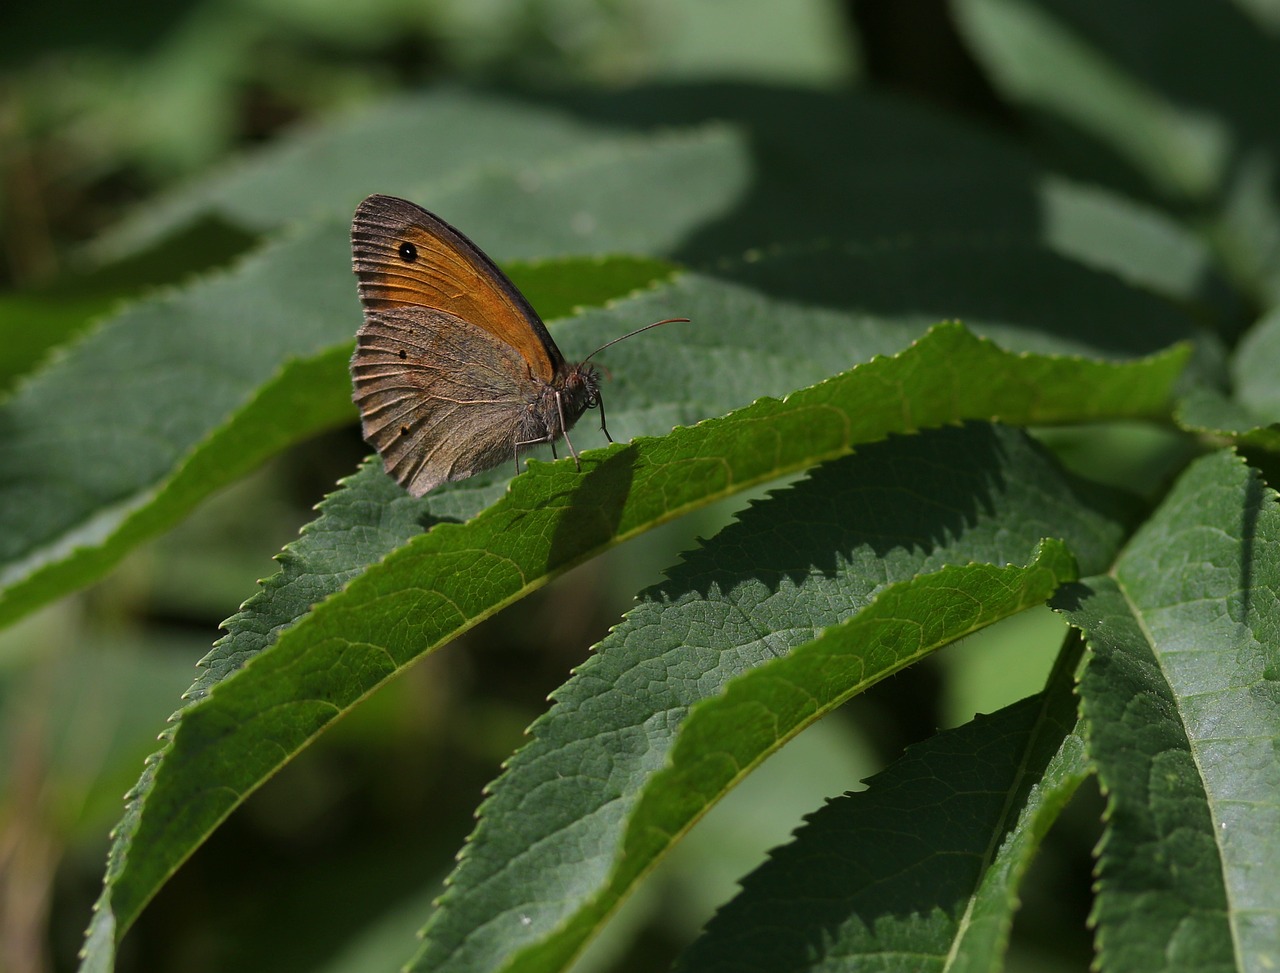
(439, 398)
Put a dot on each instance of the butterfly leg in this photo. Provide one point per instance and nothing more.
(602, 428)
(565, 431)
(552, 440)
(531, 442)
(547, 439)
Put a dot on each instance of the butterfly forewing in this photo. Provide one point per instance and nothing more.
(407, 257)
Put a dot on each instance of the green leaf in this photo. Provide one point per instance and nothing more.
(640, 194)
(32, 324)
(1161, 114)
(178, 395)
(120, 436)
(264, 191)
(35, 321)
(505, 156)
(550, 519)
(565, 285)
(920, 871)
(1000, 289)
(816, 239)
(1183, 722)
(1254, 366)
(771, 624)
(1251, 414)
(1070, 63)
(1140, 244)
(97, 445)
(802, 43)
(1211, 413)
(520, 175)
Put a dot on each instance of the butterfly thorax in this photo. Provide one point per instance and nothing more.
(577, 389)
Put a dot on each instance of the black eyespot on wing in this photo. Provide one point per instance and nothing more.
(403, 354)
(408, 252)
(404, 430)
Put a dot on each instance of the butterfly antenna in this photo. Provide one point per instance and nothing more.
(632, 334)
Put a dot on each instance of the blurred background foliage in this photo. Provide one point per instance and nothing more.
(102, 107)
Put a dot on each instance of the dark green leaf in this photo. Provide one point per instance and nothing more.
(930, 855)
(551, 519)
(815, 594)
(1182, 719)
(119, 437)
(1179, 116)
(1251, 413)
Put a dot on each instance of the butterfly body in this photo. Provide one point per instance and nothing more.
(454, 372)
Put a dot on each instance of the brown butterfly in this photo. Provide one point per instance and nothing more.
(453, 369)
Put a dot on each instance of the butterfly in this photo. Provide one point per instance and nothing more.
(453, 372)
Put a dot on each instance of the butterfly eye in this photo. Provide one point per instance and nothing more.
(408, 252)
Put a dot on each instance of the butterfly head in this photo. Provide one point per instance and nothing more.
(582, 388)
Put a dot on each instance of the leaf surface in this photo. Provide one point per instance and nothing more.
(1183, 720)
